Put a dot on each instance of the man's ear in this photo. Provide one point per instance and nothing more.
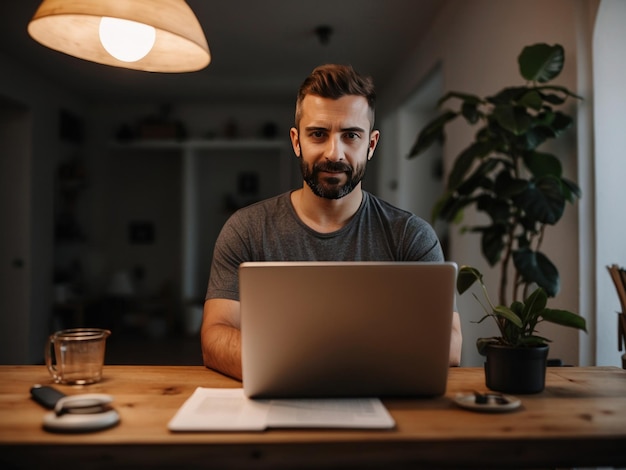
(295, 141)
(374, 136)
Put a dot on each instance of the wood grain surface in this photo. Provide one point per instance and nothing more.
(578, 420)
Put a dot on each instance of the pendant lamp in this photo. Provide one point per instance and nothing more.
(149, 35)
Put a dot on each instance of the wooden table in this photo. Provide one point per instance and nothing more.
(579, 420)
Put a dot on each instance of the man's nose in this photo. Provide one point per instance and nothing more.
(334, 150)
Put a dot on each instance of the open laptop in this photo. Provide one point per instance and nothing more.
(345, 329)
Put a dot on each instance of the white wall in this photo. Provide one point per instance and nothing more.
(609, 70)
(476, 44)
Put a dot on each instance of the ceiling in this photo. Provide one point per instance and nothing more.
(259, 48)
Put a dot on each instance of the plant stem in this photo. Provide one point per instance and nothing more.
(504, 271)
(504, 268)
(542, 231)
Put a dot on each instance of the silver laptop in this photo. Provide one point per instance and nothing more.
(345, 329)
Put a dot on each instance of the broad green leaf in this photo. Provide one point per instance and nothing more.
(543, 200)
(508, 96)
(542, 164)
(535, 136)
(465, 97)
(475, 180)
(517, 307)
(541, 62)
(511, 334)
(431, 133)
(573, 190)
(514, 119)
(497, 209)
(532, 99)
(465, 160)
(466, 277)
(559, 89)
(506, 186)
(492, 243)
(553, 98)
(561, 123)
(534, 304)
(545, 117)
(470, 112)
(565, 318)
(507, 313)
(535, 267)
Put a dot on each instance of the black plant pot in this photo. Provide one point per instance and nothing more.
(516, 370)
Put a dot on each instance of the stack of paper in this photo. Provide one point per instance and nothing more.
(619, 279)
(223, 409)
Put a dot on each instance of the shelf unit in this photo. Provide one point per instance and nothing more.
(198, 144)
(193, 152)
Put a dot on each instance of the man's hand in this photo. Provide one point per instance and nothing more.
(456, 340)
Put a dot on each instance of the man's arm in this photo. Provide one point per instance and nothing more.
(456, 340)
(221, 336)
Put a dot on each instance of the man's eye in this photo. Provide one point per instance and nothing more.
(351, 135)
(317, 134)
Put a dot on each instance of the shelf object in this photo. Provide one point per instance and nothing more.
(71, 181)
(216, 176)
(199, 144)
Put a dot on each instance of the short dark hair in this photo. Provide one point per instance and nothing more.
(335, 81)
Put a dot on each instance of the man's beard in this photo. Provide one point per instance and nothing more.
(330, 187)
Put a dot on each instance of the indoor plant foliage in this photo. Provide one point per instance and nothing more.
(516, 360)
(516, 323)
(504, 175)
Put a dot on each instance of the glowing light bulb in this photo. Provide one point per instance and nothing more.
(126, 40)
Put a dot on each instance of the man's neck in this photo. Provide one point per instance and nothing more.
(325, 215)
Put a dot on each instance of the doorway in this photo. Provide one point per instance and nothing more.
(420, 179)
(15, 235)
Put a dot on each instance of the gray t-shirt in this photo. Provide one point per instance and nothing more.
(271, 231)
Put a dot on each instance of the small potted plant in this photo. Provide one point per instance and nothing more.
(516, 360)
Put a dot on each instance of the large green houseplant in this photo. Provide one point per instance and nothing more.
(503, 174)
(522, 191)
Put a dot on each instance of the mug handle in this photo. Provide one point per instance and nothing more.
(49, 356)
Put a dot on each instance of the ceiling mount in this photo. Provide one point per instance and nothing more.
(323, 33)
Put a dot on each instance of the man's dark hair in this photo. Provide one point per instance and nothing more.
(335, 81)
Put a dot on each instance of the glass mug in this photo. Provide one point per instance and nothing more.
(76, 356)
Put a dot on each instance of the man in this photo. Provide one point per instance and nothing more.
(330, 218)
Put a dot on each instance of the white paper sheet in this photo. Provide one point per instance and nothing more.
(219, 409)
